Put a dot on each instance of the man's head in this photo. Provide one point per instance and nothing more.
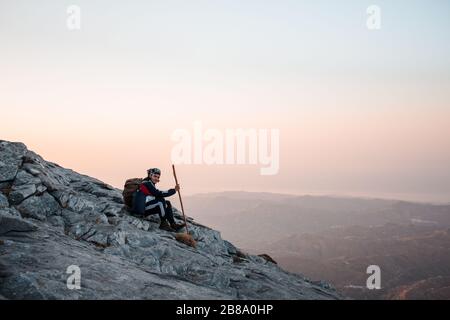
(154, 174)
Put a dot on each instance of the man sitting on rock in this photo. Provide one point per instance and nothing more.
(149, 200)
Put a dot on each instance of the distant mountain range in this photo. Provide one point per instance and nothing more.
(336, 238)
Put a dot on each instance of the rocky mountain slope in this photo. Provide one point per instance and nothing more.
(52, 218)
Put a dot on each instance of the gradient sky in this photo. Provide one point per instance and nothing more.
(360, 112)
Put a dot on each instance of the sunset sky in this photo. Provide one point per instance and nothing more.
(360, 112)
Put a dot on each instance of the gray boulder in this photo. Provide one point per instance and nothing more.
(39, 207)
(24, 186)
(11, 154)
(10, 221)
(18, 194)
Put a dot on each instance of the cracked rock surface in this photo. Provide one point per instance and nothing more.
(52, 218)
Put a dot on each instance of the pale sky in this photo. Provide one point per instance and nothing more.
(360, 112)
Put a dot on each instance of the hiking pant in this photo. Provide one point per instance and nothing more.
(160, 206)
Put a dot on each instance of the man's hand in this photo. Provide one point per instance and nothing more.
(177, 188)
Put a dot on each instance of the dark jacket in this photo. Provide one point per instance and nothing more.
(139, 197)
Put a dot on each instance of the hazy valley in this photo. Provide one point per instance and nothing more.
(335, 239)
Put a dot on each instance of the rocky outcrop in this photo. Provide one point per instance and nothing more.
(52, 218)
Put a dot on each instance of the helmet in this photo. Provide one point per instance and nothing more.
(153, 171)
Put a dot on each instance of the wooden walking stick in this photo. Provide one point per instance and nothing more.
(185, 238)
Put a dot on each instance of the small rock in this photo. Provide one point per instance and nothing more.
(8, 170)
(267, 258)
(9, 222)
(41, 189)
(117, 238)
(33, 171)
(39, 207)
(230, 248)
(24, 178)
(143, 225)
(99, 239)
(112, 210)
(20, 193)
(3, 201)
(57, 221)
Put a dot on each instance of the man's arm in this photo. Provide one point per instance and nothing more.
(159, 193)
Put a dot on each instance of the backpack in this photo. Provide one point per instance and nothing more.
(131, 186)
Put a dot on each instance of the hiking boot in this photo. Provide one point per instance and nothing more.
(177, 226)
(165, 226)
